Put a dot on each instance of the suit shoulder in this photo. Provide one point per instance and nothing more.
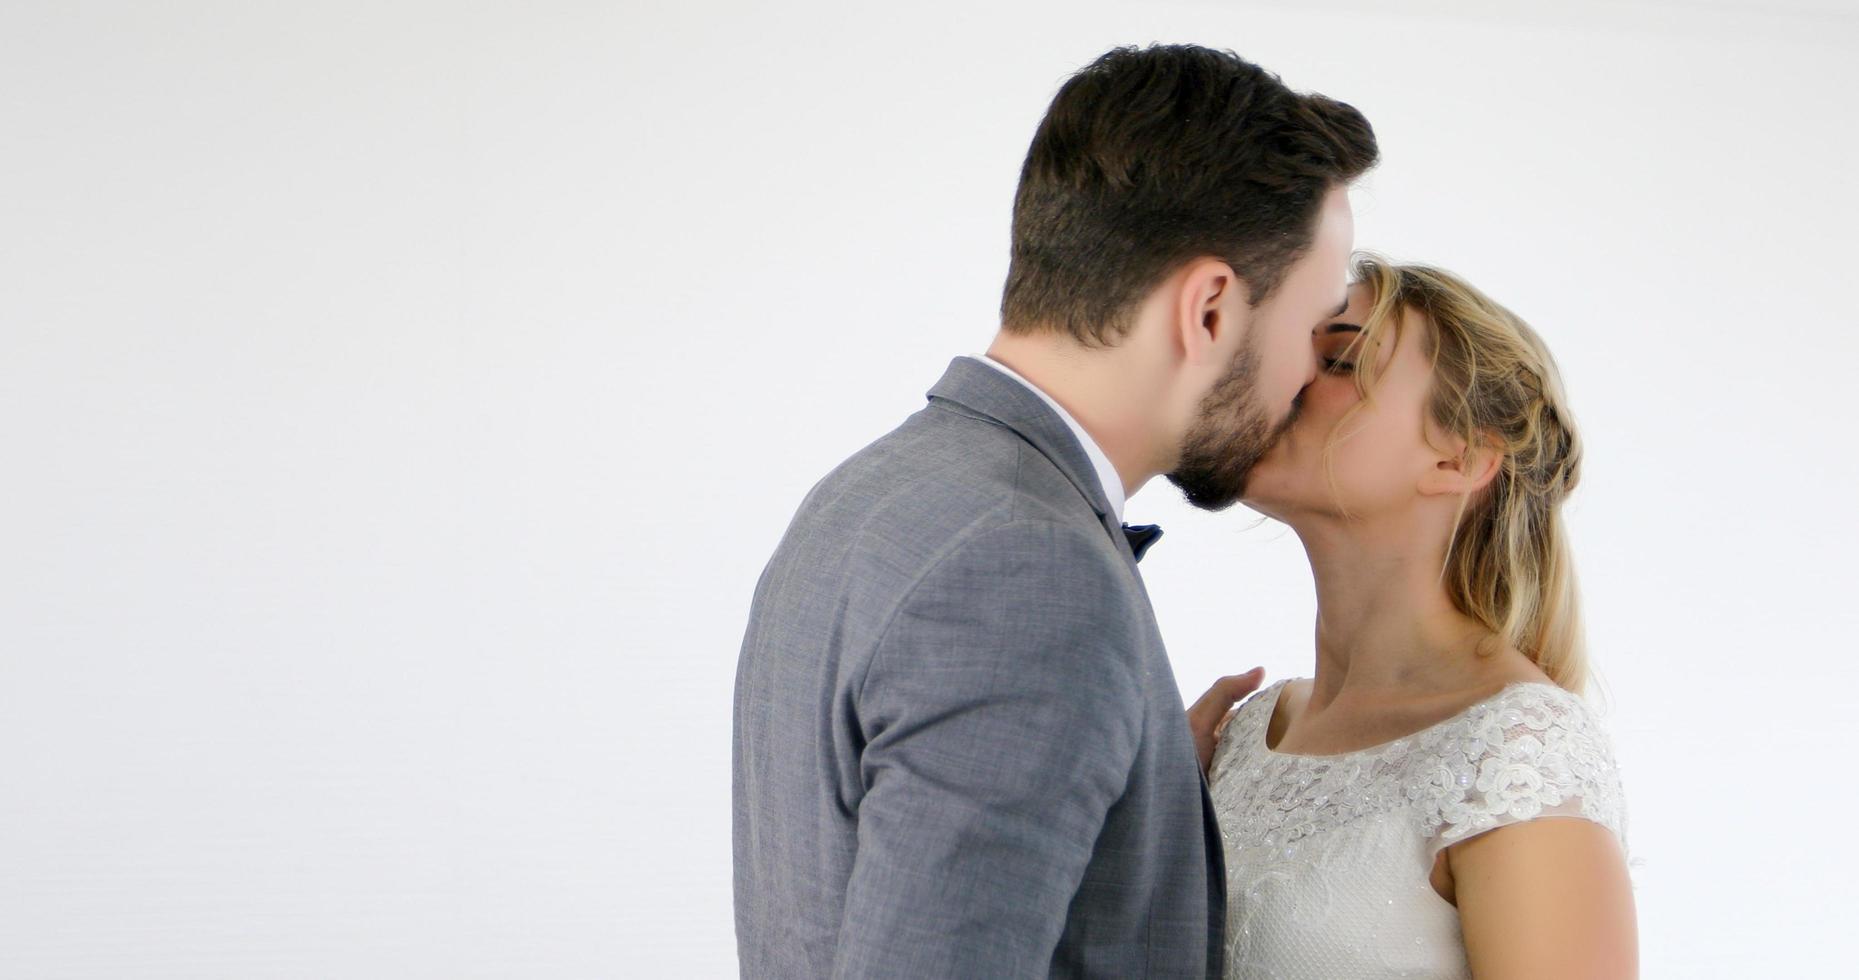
(942, 473)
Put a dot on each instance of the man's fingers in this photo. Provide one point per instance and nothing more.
(1214, 709)
(1228, 690)
(1220, 729)
(1238, 686)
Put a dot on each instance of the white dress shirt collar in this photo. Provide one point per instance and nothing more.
(1107, 477)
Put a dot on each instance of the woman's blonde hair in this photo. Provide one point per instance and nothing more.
(1495, 385)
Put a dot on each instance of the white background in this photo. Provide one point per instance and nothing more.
(398, 402)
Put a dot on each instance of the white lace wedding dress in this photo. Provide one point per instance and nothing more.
(1328, 857)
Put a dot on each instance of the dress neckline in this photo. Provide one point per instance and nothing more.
(1278, 691)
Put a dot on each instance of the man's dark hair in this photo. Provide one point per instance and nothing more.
(1151, 157)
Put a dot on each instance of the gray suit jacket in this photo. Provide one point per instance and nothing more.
(959, 746)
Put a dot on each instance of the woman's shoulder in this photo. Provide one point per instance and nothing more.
(1245, 726)
(1257, 711)
(1524, 711)
(1531, 750)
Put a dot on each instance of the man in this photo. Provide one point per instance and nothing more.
(959, 747)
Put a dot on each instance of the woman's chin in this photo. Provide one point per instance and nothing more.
(1270, 488)
(1269, 504)
(1283, 504)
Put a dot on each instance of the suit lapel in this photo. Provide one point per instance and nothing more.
(977, 390)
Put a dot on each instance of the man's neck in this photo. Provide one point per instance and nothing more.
(1102, 470)
(1082, 382)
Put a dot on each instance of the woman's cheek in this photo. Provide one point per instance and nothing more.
(1366, 460)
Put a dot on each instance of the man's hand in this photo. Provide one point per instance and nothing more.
(1211, 713)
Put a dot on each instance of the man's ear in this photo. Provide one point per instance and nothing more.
(1463, 467)
(1211, 310)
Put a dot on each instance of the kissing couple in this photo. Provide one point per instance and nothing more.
(959, 747)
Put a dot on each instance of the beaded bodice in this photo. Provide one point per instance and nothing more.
(1328, 857)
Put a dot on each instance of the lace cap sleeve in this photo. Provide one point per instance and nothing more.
(1533, 751)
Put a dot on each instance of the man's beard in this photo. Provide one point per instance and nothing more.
(1231, 433)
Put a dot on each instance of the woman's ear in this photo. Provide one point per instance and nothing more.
(1463, 466)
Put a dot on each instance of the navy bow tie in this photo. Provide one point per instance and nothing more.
(1141, 536)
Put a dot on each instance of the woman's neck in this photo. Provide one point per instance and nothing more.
(1384, 620)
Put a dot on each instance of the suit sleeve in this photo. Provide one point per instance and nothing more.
(1002, 712)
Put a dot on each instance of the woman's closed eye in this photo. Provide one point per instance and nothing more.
(1342, 341)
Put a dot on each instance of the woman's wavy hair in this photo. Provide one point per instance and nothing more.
(1494, 384)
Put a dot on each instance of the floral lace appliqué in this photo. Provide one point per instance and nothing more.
(1531, 750)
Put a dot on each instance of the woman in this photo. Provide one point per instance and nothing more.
(1388, 816)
